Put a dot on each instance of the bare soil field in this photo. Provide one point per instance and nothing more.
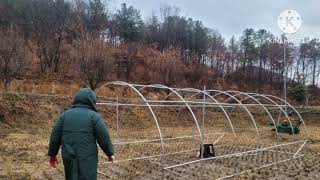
(27, 120)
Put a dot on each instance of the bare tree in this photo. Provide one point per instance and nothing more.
(47, 23)
(129, 61)
(167, 11)
(11, 56)
(314, 58)
(170, 70)
(95, 64)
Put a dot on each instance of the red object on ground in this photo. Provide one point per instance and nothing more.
(53, 161)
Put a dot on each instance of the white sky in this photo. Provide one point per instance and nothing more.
(231, 17)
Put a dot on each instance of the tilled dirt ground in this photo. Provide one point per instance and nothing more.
(304, 167)
(27, 122)
(23, 156)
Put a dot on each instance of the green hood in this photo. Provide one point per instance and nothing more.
(85, 98)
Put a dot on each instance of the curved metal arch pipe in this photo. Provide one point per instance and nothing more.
(276, 104)
(264, 107)
(186, 89)
(288, 104)
(285, 113)
(121, 83)
(198, 91)
(253, 96)
(239, 102)
(180, 97)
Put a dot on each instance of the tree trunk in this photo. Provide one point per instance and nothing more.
(314, 72)
(260, 71)
(6, 84)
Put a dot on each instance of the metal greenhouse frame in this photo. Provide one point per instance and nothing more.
(225, 102)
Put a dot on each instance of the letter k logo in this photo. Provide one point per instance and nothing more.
(289, 21)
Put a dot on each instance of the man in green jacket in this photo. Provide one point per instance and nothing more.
(78, 130)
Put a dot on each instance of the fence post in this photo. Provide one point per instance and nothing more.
(118, 127)
(52, 90)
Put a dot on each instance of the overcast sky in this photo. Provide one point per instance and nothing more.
(231, 17)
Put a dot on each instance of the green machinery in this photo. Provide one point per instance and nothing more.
(286, 128)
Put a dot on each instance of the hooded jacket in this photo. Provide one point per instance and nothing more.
(77, 131)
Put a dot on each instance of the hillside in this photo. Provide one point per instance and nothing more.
(85, 42)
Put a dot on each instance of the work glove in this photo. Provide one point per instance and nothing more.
(111, 158)
(53, 161)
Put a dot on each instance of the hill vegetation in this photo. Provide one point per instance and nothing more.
(82, 40)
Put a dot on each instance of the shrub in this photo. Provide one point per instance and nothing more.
(297, 93)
